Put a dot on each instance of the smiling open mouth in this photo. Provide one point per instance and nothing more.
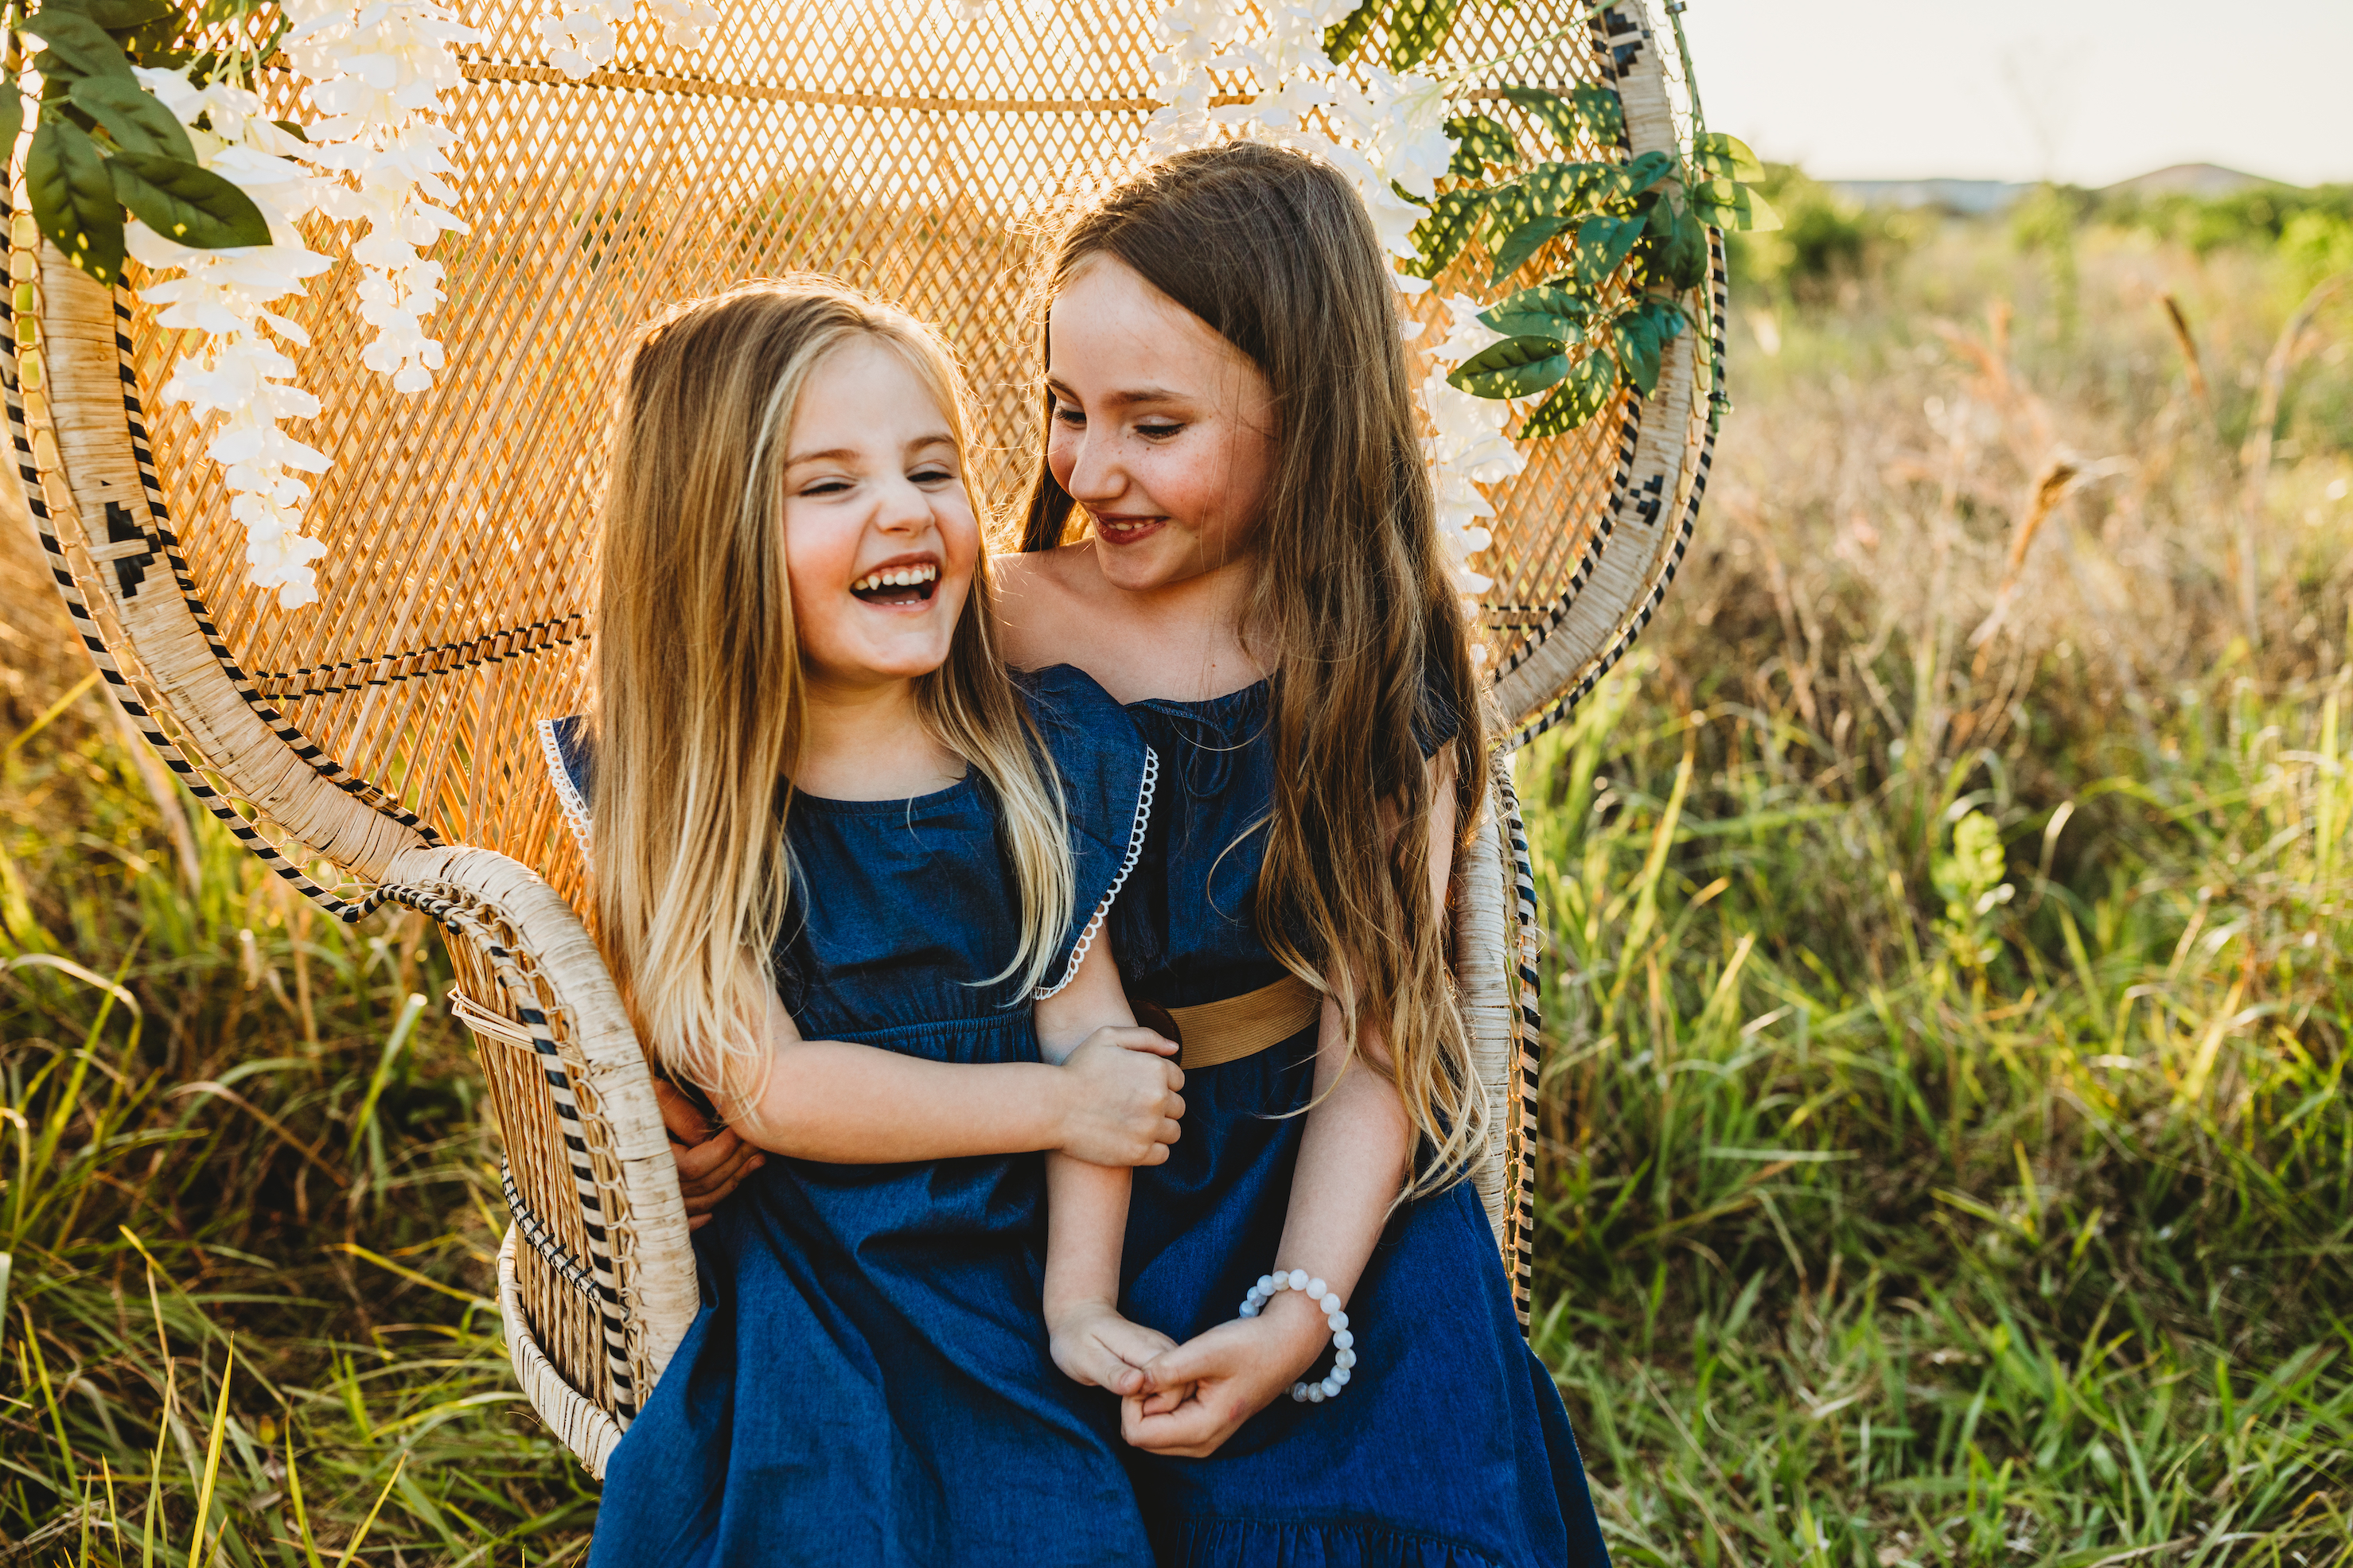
(897, 585)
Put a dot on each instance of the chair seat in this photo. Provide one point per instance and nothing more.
(589, 1431)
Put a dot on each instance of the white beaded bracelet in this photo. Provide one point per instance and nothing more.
(1344, 1356)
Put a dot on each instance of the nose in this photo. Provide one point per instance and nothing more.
(1096, 472)
(901, 508)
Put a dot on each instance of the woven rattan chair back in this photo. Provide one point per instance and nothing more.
(888, 143)
(354, 745)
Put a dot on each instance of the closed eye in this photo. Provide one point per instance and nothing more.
(826, 487)
(1074, 418)
(1159, 432)
(933, 475)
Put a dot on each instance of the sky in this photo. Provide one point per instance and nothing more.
(2087, 91)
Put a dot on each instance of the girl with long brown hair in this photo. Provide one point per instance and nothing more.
(1232, 528)
(853, 883)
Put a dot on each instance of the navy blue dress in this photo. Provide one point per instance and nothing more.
(1449, 1448)
(868, 1381)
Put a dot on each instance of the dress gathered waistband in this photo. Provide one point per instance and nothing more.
(1225, 1031)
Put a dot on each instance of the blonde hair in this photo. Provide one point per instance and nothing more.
(697, 716)
(1354, 594)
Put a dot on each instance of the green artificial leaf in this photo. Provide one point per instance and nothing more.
(1478, 142)
(1646, 170)
(1592, 382)
(1590, 112)
(1666, 318)
(1634, 339)
(12, 113)
(118, 15)
(1543, 311)
(1523, 242)
(1729, 204)
(1548, 190)
(1675, 248)
(1601, 108)
(131, 116)
(1603, 246)
(1726, 157)
(1439, 238)
(1565, 188)
(73, 200)
(73, 45)
(1346, 36)
(1516, 367)
(187, 204)
(292, 128)
(1417, 29)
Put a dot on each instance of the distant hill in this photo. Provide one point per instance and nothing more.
(1974, 198)
(2203, 180)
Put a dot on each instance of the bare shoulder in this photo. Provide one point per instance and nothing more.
(1041, 598)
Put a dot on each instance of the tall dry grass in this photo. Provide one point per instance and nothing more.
(1948, 1161)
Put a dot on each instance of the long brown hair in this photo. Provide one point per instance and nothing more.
(698, 710)
(1353, 595)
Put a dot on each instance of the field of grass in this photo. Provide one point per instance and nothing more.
(1946, 1155)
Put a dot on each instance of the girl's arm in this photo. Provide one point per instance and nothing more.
(1086, 1205)
(1352, 1163)
(1111, 1101)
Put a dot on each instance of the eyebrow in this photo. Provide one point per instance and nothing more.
(1128, 398)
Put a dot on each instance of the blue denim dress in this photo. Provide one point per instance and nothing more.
(869, 1382)
(1449, 1448)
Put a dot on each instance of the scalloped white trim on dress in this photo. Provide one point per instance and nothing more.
(575, 810)
(1134, 853)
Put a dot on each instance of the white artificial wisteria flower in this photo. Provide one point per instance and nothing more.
(683, 22)
(1466, 448)
(1405, 129)
(1195, 36)
(584, 36)
(376, 72)
(237, 373)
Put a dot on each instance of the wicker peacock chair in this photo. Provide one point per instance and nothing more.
(384, 742)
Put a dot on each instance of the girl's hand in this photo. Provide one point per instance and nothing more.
(1198, 1394)
(712, 1159)
(1122, 1104)
(1094, 1345)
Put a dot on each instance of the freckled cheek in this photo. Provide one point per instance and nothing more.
(1181, 489)
(1061, 456)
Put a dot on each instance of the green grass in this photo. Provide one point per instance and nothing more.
(1945, 1154)
(249, 1206)
(1903, 1209)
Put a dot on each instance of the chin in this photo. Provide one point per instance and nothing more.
(1153, 564)
(904, 665)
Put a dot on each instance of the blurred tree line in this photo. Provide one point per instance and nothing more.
(1834, 252)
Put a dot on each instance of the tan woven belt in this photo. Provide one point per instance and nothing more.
(1216, 1033)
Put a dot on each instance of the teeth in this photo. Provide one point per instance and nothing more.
(895, 577)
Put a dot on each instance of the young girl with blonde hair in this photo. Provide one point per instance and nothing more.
(1232, 529)
(853, 884)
